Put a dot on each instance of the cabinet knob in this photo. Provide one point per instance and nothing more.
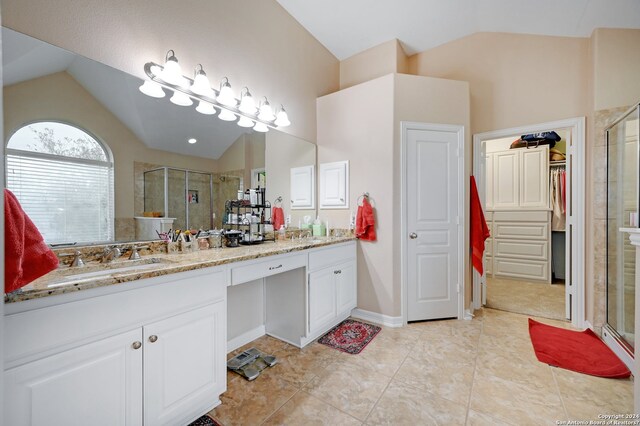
(136, 345)
(413, 235)
(153, 338)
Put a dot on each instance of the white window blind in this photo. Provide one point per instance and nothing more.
(68, 199)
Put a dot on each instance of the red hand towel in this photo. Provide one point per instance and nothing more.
(277, 217)
(479, 229)
(26, 256)
(365, 222)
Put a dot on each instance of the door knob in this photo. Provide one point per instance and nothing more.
(136, 345)
(153, 338)
(413, 235)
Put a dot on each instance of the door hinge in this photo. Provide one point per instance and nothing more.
(457, 220)
(458, 288)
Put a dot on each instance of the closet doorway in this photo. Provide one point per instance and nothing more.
(533, 199)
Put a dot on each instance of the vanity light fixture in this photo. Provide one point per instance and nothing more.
(205, 108)
(192, 140)
(186, 91)
(226, 94)
(247, 104)
(245, 122)
(282, 119)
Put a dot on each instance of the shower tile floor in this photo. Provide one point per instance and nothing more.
(526, 297)
(478, 372)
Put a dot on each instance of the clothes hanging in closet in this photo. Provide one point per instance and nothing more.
(557, 191)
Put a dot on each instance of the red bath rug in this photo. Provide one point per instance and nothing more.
(350, 336)
(580, 351)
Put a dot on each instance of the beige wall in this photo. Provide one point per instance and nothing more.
(59, 97)
(514, 79)
(386, 58)
(362, 124)
(283, 153)
(253, 42)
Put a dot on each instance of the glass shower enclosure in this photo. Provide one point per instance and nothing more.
(186, 195)
(623, 199)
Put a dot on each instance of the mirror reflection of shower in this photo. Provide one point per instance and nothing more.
(225, 187)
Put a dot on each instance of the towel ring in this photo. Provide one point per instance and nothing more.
(278, 202)
(362, 197)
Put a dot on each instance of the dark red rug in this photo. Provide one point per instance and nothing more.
(350, 336)
(205, 421)
(580, 351)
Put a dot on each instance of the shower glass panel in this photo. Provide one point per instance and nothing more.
(185, 195)
(623, 159)
(154, 191)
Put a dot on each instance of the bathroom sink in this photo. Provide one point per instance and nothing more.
(106, 270)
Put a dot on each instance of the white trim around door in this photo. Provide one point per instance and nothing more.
(576, 155)
(463, 257)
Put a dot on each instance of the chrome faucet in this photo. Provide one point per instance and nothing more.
(306, 234)
(109, 254)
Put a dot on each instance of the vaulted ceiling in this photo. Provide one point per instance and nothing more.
(349, 27)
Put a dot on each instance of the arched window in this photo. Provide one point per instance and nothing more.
(63, 178)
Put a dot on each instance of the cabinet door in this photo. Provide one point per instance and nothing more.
(346, 286)
(505, 179)
(334, 185)
(184, 365)
(303, 188)
(534, 177)
(322, 298)
(95, 384)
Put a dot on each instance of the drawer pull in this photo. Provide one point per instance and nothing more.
(153, 338)
(339, 271)
(136, 345)
(271, 268)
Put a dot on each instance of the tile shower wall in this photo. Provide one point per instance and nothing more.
(602, 119)
(225, 187)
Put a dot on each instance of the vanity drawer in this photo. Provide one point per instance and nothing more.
(534, 250)
(522, 231)
(524, 269)
(256, 269)
(328, 256)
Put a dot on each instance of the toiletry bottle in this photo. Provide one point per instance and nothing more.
(281, 233)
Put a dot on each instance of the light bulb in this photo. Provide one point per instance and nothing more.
(266, 113)
(226, 96)
(247, 104)
(181, 99)
(192, 140)
(201, 85)
(171, 73)
(282, 119)
(226, 115)
(205, 108)
(153, 89)
(261, 127)
(245, 122)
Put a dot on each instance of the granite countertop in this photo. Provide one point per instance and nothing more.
(92, 275)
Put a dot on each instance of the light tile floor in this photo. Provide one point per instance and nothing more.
(479, 372)
(526, 297)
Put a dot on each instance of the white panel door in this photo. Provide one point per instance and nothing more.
(96, 384)
(322, 297)
(303, 187)
(506, 166)
(184, 365)
(534, 177)
(334, 184)
(433, 264)
(488, 203)
(346, 286)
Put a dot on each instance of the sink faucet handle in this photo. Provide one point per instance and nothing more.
(134, 253)
(77, 259)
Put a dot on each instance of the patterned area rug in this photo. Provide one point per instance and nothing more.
(205, 421)
(350, 336)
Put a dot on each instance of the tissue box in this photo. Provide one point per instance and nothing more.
(319, 230)
(305, 225)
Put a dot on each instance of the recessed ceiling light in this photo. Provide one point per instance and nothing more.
(192, 140)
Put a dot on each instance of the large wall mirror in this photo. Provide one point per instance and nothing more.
(88, 153)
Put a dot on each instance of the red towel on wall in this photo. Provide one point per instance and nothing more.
(26, 256)
(277, 217)
(479, 229)
(365, 222)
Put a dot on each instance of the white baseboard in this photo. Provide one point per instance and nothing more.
(245, 338)
(382, 319)
(468, 313)
(588, 325)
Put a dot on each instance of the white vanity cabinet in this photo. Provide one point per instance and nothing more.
(151, 353)
(332, 286)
